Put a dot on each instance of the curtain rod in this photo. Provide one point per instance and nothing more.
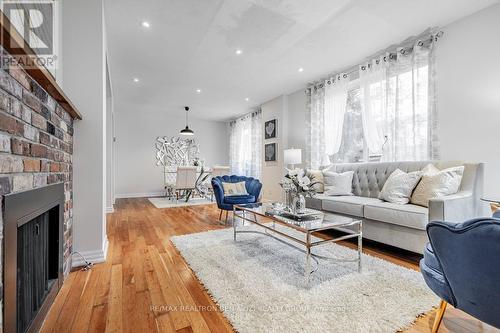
(431, 34)
(249, 114)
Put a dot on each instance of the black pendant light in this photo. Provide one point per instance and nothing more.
(187, 130)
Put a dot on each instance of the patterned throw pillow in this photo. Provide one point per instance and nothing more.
(233, 189)
(338, 183)
(436, 183)
(399, 186)
(316, 176)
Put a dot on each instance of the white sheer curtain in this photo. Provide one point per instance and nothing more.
(399, 104)
(326, 108)
(245, 145)
(373, 83)
(315, 139)
(335, 107)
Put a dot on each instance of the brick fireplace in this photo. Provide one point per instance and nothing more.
(36, 148)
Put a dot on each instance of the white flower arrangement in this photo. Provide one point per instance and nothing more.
(297, 181)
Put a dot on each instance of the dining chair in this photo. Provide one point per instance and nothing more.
(169, 179)
(219, 170)
(185, 181)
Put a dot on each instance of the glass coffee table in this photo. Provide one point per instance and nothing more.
(270, 215)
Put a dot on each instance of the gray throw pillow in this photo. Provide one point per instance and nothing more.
(399, 186)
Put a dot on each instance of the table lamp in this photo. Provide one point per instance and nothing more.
(292, 156)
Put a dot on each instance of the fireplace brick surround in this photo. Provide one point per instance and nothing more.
(36, 147)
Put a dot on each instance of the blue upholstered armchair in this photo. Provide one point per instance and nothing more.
(461, 265)
(252, 185)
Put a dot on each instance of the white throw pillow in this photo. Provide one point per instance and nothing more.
(338, 183)
(429, 169)
(437, 183)
(233, 189)
(399, 186)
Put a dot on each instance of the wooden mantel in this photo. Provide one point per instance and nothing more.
(14, 43)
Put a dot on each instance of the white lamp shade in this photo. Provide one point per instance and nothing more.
(292, 156)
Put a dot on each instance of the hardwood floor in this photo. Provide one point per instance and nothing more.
(144, 273)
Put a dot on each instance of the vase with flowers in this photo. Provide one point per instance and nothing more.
(297, 187)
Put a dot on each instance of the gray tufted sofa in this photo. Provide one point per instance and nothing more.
(398, 225)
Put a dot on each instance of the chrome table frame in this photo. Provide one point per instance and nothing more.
(270, 230)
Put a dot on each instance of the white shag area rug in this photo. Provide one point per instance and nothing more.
(162, 202)
(259, 284)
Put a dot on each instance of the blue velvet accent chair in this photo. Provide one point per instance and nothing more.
(252, 185)
(461, 265)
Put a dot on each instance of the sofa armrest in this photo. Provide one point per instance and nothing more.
(457, 207)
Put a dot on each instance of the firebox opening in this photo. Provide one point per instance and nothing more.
(37, 264)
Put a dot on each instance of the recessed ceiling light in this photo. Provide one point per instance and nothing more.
(301, 70)
(198, 91)
(136, 79)
(238, 52)
(247, 99)
(146, 24)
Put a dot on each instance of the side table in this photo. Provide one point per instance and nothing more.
(494, 203)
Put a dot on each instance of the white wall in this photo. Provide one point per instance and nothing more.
(110, 151)
(137, 174)
(84, 80)
(297, 122)
(273, 172)
(469, 92)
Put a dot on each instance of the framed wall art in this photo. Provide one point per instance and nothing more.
(271, 129)
(271, 152)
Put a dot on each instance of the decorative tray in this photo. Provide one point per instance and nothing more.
(307, 215)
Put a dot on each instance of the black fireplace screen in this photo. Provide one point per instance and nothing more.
(37, 271)
(33, 269)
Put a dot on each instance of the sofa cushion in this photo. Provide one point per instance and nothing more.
(436, 282)
(239, 199)
(430, 259)
(411, 216)
(350, 205)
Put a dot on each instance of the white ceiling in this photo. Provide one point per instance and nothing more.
(191, 45)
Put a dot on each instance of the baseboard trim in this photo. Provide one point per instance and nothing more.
(94, 257)
(140, 195)
(110, 209)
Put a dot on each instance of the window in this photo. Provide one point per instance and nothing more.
(245, 142)
(399, 111)
(352, 148)
(385, 111)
